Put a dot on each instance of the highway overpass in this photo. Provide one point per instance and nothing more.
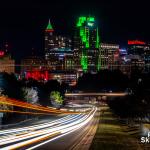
(108, 94)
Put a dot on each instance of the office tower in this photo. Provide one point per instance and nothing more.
(58, 52)
(86, 45)
(139, 54)
(49, 42)
(109, 56)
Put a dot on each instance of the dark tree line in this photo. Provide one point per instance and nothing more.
(104, 80)
(136, 104)
(12, 88)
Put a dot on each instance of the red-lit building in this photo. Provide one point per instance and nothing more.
(139, 54)
(34, 67)
(37, 75)
(136, 47)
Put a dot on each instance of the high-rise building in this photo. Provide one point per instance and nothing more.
(86, 44)
(109, 56)
(139, 54)
(58, 52)
(147, 57)
(49, 42)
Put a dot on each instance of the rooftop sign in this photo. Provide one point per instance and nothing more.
(136, 42)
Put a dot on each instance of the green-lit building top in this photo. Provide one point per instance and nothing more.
(49, 27)
(90, 40)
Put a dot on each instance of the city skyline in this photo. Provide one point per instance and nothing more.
(74, 75)
(24, 27)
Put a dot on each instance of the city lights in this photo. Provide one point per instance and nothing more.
(2, 53)
(69, 77)
(44, 132)
(136, 42)
(86, 27)
(49, 27)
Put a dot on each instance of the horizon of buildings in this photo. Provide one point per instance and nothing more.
(66, 59)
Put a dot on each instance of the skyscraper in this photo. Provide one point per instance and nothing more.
(139, 54)
(57, 49)
(109, 55)
(86, 44)
(49, 42)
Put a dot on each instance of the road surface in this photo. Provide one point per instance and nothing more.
(64, 133)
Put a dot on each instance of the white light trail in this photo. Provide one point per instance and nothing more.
(48, 129)
(35, 127)
(65, 127)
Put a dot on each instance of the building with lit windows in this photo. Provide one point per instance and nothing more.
(139, 54)
(86, 45)
(136, 47)
(34, 67)
(147, 57)
(58, 52)
(37, 68)
(109, 56)
(7, 64)
(68, 77)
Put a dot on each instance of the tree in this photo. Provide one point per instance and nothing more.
(10, 85)
(30, 95)
(56, 98)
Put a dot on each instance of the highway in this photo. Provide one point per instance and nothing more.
(63, 133)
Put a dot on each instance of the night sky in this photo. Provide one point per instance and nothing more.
(22, 23)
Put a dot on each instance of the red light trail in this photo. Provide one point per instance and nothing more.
(12, 102)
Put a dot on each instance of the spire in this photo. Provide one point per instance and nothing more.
(49, 27)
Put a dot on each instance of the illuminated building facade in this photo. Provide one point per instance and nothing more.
(37, 75)
(139, 54)
(69, 77)
(147, 57)
(7, 64)
(58, 51)
(37, 68)
(136, 47)
(124, 66)
(34, 67)
(109, 56)
(86, 45)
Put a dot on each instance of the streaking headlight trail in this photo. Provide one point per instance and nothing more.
(34, 136)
